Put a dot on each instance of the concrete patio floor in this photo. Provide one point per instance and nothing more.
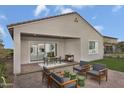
(34, 80)
(30, 68)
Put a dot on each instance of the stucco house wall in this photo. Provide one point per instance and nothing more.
(65, 26)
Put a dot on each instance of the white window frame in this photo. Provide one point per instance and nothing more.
(96, 47)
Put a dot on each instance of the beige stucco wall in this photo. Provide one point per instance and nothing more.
(25, 51)
(17, 53)
(73, 47)
(60, 26)
(63, 26)
(88, 34)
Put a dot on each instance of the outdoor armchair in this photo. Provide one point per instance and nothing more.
(82, 68)
(99, 71)
(58, 81)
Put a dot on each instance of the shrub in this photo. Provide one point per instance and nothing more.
(2, 75)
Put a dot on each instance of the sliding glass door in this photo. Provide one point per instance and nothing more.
(39, 51)
(33, 51)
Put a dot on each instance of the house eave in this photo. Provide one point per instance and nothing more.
(110, 37)
(35, 20)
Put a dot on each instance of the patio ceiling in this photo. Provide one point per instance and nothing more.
(47, 36)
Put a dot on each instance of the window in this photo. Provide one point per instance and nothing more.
(93, 47)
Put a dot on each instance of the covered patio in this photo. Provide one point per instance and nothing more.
(36, 47)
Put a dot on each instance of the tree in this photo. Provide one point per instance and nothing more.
(120, 47)
(2, 66)
(1, 41)
(2, 75)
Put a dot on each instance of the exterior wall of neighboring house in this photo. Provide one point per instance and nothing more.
(110, 44)
(64, 26)
(110, 40)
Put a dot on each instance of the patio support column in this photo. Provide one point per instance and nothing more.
(17, 52)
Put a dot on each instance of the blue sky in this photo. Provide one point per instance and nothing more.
(108, 20)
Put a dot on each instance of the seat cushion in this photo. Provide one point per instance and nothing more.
(72, 85)
(58, 78)
(78, 68)
(98, 67)
(65, 79)
(93, 72)
(83, 63)
(62, 80)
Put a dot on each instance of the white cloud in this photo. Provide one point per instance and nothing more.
(116, 8)
(82, 6)
(66, 10)
(39, 9)
(63, 10)
(99, 28)
(3, 17)
(2, 31)
(94, 17)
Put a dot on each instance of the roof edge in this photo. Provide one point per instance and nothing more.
(110, 37)
(34, 20)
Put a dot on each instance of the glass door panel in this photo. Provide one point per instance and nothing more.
(33, 52)
(50, 50)
(39, 51)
